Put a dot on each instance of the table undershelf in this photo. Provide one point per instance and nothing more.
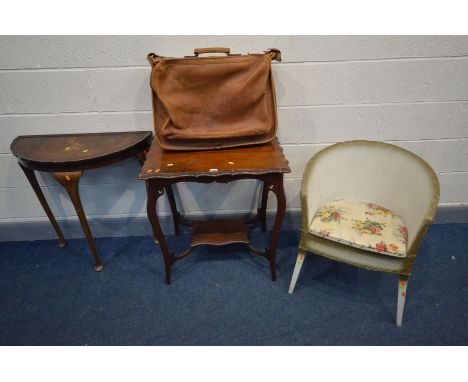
(219, 232)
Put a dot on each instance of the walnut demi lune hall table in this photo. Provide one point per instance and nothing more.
(67, 156)
(162, 169)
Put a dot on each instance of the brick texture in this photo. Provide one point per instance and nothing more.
(409, 90)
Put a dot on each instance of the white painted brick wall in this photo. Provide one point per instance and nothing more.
(16, 52)
(36, 91)
(123, 89)
(372, 82)
(408, 90)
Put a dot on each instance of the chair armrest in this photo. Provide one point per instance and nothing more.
(314, 192)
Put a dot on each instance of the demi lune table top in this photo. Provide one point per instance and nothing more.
(67, 151)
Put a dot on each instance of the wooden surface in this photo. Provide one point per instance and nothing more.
(164, 169)
(67, 156)
(219, 232)
(255, 160)
(74, 152)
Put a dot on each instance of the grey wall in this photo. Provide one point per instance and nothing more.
(412, 91)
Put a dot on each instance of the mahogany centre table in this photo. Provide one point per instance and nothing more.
(162, 169)
(66, 156)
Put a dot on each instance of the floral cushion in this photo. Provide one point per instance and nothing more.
(362, 225)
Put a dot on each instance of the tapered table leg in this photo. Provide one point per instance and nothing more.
(172, 203)
(277, 187)
(70, 181)
(30, 174)
(155, 190)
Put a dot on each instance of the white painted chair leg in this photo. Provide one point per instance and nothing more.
(403, 283)
(297, 269)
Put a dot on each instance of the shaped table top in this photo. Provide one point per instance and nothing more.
(247, 160)
(71, 152)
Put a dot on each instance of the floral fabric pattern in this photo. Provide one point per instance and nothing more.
(363, 225)
(375, 209)
(330, 213)
(369, 227)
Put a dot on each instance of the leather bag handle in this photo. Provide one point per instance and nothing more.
(198, 51)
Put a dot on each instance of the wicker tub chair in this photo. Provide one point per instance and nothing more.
(367, 204)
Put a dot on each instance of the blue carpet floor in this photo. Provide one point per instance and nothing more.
(224, 296)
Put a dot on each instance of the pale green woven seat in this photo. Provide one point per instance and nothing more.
(383, 175)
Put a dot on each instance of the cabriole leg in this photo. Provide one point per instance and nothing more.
(172, 204)
(155, 190)
(70, 181)
(262, 210)
(277, 187)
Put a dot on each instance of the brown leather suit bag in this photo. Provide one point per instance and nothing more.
(212, 102)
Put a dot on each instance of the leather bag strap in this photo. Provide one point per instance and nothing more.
(275, 54)
(153, 58)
